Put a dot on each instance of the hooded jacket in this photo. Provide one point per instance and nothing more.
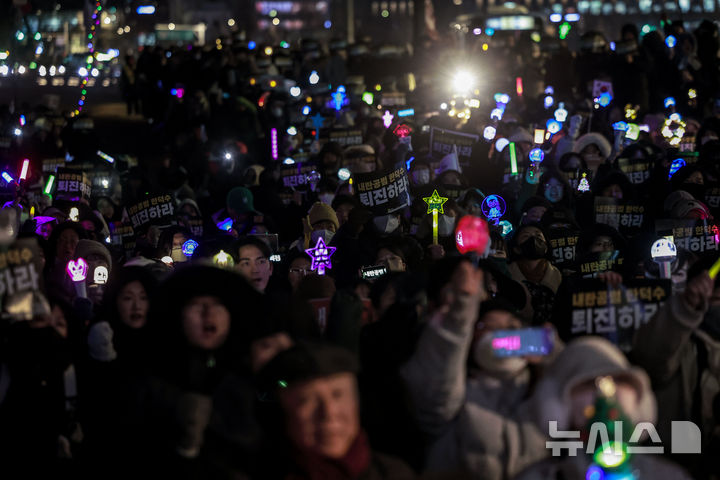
(582, 360)
(475, 424)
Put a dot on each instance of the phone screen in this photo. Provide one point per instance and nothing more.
(525, 341)
(373, 272)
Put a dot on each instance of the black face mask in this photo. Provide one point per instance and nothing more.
(533, 248)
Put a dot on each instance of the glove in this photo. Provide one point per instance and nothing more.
(100, 346)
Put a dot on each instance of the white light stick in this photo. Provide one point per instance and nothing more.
(663, 252)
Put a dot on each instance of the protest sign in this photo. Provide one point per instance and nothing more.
(636, 170)
(51, 165)
(20, 278)
(442, 142)
(593, 263)
(157, 210)
(697, 236)
(345, 137)
(392, 99)
(616, 313)
(296, 176)
(72, 185)
(195, 225)
(122, 236)
(383, 192)
(563, 242)
(627, 218)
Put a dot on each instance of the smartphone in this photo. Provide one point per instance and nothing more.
(372, 272)
(525, 341)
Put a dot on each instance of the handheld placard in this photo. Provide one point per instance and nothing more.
(435, 205)
(77, 271)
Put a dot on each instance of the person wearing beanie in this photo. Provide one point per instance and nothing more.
(316, 389)
(594, 149)
(321, 222)
(99, 267)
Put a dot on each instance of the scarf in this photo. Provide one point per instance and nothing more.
(317, 467)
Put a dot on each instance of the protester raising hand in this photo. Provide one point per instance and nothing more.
(698, 292)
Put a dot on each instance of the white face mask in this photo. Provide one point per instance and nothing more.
(484, 356)
(326, 235)
(445, 225)
(387, 223)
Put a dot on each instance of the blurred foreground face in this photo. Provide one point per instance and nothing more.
(205, 322)
(583, 397)
(133, 304)
(322, 414)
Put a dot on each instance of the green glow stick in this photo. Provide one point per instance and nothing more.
(513, 159)
(49, 184)
(715, 269)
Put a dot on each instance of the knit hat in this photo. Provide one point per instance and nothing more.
(85, 248)
(240, 200)
(306, 361)
(593, 139)
(322, 211)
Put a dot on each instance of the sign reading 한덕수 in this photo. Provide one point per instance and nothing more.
(72, 185)
(158, 210)
(697, 236)
(625, 217)
(616, 313)
(442, 142)
(383, 192)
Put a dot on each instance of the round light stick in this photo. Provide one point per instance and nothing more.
(493, 207)
(663, 252)
(536, 155)
(472, 235)
(223, 260)
(188, 248)
(507, 227)
(344, 174)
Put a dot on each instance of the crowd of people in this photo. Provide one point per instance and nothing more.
(273, 286)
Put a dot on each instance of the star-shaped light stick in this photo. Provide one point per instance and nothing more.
(320, 256)
(435, 205)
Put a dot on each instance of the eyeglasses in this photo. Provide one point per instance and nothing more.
(302, 271)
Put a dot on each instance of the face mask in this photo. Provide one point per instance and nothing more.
(326, 198)
(485, 358)
(326, 235)
(445, 225)
(177, 255)
(533, 248)
(386, 223)
(421, 177)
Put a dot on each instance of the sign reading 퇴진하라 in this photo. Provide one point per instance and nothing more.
(624, 217)
(383, 192)
(697, 236)
(442, 142)
(72, 185)
(158, 210)
(615, 313)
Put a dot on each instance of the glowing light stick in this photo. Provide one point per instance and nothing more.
(387, 118)
(519, 86)
(536, 155)
(435, 205)
(402, 131)
(223, 260)
(368, 97)
(472, 235)
(507, 227)
(408, 112)
(100, 275)
(274, 143)
(663, 252)
(318, 122)
(513, 159)
(676, 165)
(7, 177)
(77, 271)
(715, 269)
(24, 170)
(49, 185)
(188, 248)
(320, 256)
(74, 214)
(493, 207)
(489, 133)
(584, 186)
(105, 157)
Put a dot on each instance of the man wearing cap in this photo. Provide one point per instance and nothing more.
(240, 205)
(316, 388)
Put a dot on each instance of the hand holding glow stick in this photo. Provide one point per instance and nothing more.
(435, 205)
(77, 271)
